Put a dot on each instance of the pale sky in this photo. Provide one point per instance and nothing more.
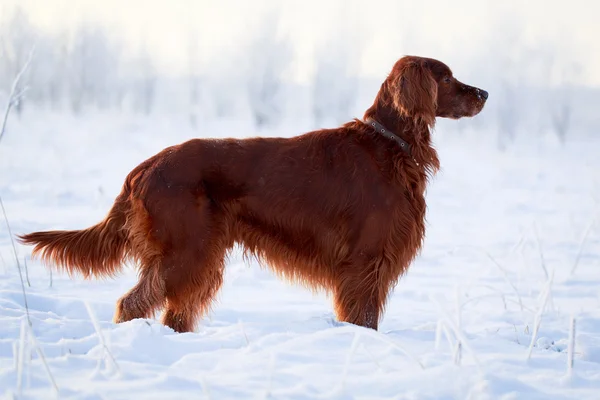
(438, 28)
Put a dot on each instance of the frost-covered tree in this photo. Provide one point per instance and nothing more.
(549, 66)
(144, 81)
(93, 69)
(269, 55)
(558, 77)
(47, 77)
(81, 68)
(505, 54)
(335, 81)
(561, 118)
(17, 38)
(508, 114)
(561, 107)
(193, 79)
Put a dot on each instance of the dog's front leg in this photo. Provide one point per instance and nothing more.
(358, 304)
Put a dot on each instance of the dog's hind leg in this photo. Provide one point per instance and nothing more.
(192, 280)
(149, 293)
(194, 236)
(186, 304)
(144, 298)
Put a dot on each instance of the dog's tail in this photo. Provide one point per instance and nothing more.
(96, 251)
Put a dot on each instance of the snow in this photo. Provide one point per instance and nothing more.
(502, 226)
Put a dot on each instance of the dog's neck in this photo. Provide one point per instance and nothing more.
(416, 132)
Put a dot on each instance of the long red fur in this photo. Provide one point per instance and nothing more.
(342, 210)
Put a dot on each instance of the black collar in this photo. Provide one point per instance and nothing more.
(389, 134)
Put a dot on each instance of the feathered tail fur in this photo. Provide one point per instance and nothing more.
(96, 251)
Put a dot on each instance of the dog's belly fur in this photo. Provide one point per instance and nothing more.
(310, 257)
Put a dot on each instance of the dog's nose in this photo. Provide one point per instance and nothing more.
(483, 93)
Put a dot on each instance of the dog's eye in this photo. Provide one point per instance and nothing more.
(446, 79)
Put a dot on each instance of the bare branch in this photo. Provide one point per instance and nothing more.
(582, 243)
(17, 97)
(571, 348)
(26, 271)
(42, 357)
(538, 316)
(500, 268)
(460, 336)
(21, 356)
(17, 260)
(14, 97)
(540, 250)
(100, 336)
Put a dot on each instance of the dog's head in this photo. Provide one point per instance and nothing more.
(424, 88)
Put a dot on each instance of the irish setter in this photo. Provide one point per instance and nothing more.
(342, 210)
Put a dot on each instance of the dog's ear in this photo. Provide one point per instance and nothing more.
(414, 91)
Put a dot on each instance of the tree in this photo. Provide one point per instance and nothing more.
(193, 78)
(562, 98)
(269, 54)
(335, 81)
(15, 95)
(144, 81)
(508, 114)
(17, 37)
(93, 69)
(505, 54)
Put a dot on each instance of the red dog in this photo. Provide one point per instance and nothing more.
(336, 209)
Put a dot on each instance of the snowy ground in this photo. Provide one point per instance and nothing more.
(502, 228)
